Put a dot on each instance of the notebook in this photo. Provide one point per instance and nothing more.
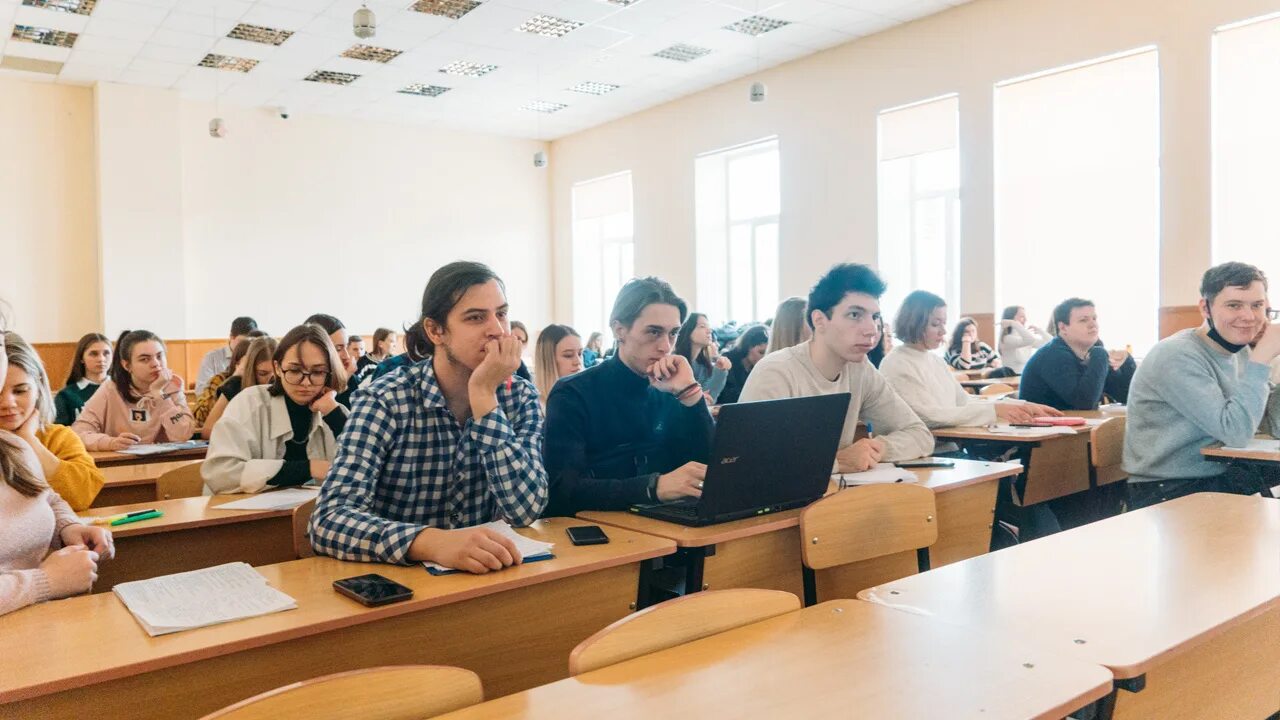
(881, 474)
(283, 499)
(199, 598)
(530, 550)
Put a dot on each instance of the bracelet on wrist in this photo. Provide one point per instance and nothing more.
(685, 391)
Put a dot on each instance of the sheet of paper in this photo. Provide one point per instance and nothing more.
(882, 473)
(527, 547)
(161, 448)
(283, 499)
(1259, 445)
(1030, 431)
(199, 598)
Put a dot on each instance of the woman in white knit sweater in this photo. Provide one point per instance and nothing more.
(922, 378)
(1018, 340)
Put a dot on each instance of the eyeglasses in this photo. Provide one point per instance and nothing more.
(314, 377)
(1273, 314)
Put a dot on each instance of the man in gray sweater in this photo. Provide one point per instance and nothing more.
(844, 311)
(1201, 386)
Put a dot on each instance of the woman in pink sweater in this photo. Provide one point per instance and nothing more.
(143, 402)
(45, 552)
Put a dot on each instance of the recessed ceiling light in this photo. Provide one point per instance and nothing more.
(79, 7)
(424, 89)
(331, 77)
(756, 25)
(228, 62)
(682, 53)
(452, 9)
(468, 69)
(259, 34)
(371, 53)
(549, 26)
(594, 88)
(44, 36)
(623, 3)
(543, 106)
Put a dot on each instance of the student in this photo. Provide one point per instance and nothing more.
(384, 346)
(1074, 370)
(1018, 340)
(884, 343)
(1201, 386)
(438, 447)
(256, 368)
(593, 351)
(338, 336)
(216, 361)
(205, 400)
(521, 332)
(695, 344)
(355, 348)
(743, 355)
(45, 552)
(635, 428)
(967, 352)
(88, 372)
(26, 410)
(558, 354)
(142, 402)
(843, 309)
(416, 349)
(789, 327)
(924, 381)
(283, 433)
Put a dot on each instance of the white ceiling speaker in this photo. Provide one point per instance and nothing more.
(540, 159)
(217, 128)
(758, 92)
(364, 24)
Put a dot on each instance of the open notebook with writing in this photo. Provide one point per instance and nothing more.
(530, 550)
(210, 596)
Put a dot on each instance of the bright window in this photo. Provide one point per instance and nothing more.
(603, 249)
(1077, 193)
(738, 207)
(919, 202)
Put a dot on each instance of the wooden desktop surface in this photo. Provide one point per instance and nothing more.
(514, 627)
(107, 458)
(1216, 450)
(840, 659)
(1195, 580)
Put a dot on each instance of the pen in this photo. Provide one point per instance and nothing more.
(135, 517)
(109, 519)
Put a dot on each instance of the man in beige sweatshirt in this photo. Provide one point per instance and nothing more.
(844, 312)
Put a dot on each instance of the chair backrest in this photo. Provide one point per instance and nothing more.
(403, 692)
(866, 522)
(678, 621)
(1106, 451)
(996, 389)
(301, 521)
(180, 482)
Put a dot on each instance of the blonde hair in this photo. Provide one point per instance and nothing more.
(788, 324)
(260, 350)
(545, 374)
(24, 356)
(14, 468)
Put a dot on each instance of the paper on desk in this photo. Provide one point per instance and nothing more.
(284, 499)
(1094, 422)
(1031, 431)
(199, 598)
(882, 473)
(1259, 445)
(529, 549)
(162, 448)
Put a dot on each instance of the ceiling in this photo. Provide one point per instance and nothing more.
(605, 43)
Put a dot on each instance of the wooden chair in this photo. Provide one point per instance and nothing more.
(180, 482)
(1106, 452)
(864, 536)
(996, 389)
(676, 622)
(301, 522)
(404, 692)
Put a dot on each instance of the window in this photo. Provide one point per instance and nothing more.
(738, 206)
(1077, 193)
(919, 202)
(603, 249)
(1246, 148)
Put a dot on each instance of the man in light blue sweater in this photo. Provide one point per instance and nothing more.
(1201, 386)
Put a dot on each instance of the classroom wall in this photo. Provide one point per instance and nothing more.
(823, 109)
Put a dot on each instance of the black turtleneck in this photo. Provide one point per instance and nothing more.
(609, 434)
(297, 466)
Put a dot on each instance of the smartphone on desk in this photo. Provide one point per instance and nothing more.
(372, 590)
(587, 535)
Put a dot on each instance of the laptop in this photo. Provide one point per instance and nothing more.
(766, 457)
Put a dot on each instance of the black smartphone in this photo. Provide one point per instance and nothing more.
(926, 463)
(587, 535)
(372, 590)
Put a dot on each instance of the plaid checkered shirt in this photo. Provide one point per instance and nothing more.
(405, 464)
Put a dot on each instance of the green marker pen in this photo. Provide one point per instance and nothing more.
(135, 518)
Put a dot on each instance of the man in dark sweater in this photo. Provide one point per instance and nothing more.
(1075, 369)
(635, 428)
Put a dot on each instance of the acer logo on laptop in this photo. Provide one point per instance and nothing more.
(729, 460)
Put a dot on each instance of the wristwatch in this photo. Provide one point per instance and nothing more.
(652, 491)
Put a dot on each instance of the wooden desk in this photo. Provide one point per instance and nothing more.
(134, 483)
(1182, 598)
(1264, 466)
(764, 552)
(194, 534)
(842, 659)
(515, 628)
(974, 384)
(106, 458)
(1056, 465)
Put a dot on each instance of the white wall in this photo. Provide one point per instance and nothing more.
(823, 110)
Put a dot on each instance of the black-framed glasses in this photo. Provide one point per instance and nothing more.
(294, 376)
(1273, 314)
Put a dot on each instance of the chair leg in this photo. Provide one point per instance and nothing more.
(810, 586)
(922, 559)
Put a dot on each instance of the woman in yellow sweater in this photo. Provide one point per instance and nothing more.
(26, 410)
